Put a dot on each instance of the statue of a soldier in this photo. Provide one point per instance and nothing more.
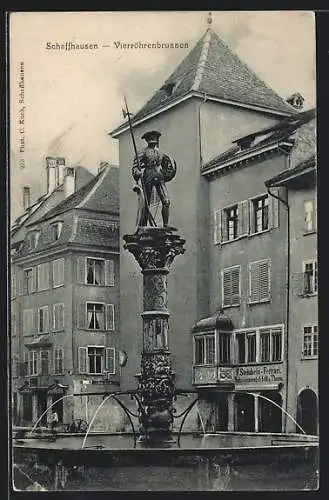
(154, 169)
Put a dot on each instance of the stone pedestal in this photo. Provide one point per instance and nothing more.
(155, 248)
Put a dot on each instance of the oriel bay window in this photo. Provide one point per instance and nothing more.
(204, 350)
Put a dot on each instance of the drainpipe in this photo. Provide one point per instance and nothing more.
(286, 204)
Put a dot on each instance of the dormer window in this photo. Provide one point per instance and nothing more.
(55, 230)
(32, 239)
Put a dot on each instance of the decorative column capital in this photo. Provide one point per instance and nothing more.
(154, 247)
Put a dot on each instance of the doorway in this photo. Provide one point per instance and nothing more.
(42, 406)
(58, 406)
(244, 413)
(270, 415)
(221, 412)
(308, 411)
(27, 407)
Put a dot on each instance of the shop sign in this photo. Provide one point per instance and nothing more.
(259, 374)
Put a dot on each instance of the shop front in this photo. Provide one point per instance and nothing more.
(258, 398)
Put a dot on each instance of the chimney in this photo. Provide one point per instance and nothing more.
(26, 197)
(69, 181)
(55, 172)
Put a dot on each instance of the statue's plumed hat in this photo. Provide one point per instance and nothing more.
(152, 136)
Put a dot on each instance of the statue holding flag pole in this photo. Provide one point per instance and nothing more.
(153, 169)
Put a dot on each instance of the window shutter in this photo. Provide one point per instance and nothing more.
(226, 288)
(81, 316)
(314, 218)
(34, 279)
(109, 317)
(58, 272)
(243, 218)
(61, 316)
(20, 277)
(217, 226)
(109, 273)
(81, 270)
(46, 319)
(259, 281)
(273, 207)
(13, 290)
(46, 275)
(223, 225)
(82, 359)
(235, 286)
(110, 360)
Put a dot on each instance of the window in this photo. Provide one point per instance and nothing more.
(58, 273)
(32, 239)
(204, 350)
(259, 214)
(310, 341)
(13, 320)
(310, 270)
(95, 316)
(231, 223)
(43, 319)
(44, 362)
(224, 356)
(259, 281)
(58, 317)
(231, 286)
(55, 230)
(29, 280)
(95, 271)
(251, 347)
(58, 360)
(26, 197)
(13, 286)
(28, 321)
(310, 216)
(43, 276)
(262, 345)
(33, 363)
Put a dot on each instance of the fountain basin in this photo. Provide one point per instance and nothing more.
(202, 463)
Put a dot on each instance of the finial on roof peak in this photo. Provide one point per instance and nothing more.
(209, 19)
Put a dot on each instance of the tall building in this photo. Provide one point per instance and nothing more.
(65, 297)
(299, 185)
(229, 133)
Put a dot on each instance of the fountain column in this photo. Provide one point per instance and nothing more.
(155, 248)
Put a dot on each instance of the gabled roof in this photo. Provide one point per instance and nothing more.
(100, 194)
(300, 125)
(303, 169)
(212, 68)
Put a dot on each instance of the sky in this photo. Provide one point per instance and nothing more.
(73, 99)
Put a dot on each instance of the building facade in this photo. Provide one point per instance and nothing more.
(228, 294)
(64, 303)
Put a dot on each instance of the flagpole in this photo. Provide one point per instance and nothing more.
(153, 223)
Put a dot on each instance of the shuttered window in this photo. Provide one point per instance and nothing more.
(95, 316)
(58, 360)
(58, 317)
(43, 276)
(28, 321)
(58, 272)
(43, 319)
(259, 281)
(231, 286)
(110, 360)
(83, 359)
(33, 363)
(29, 280)
(13, 290)
(44, 362)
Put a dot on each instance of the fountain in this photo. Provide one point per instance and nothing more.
(159, 458)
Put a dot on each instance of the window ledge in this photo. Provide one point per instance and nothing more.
(307, 358)
(59, 330)
(263, 301)
(233, 305)
(307, 295)
(306, 233)
(259, 233)
(58, 286)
